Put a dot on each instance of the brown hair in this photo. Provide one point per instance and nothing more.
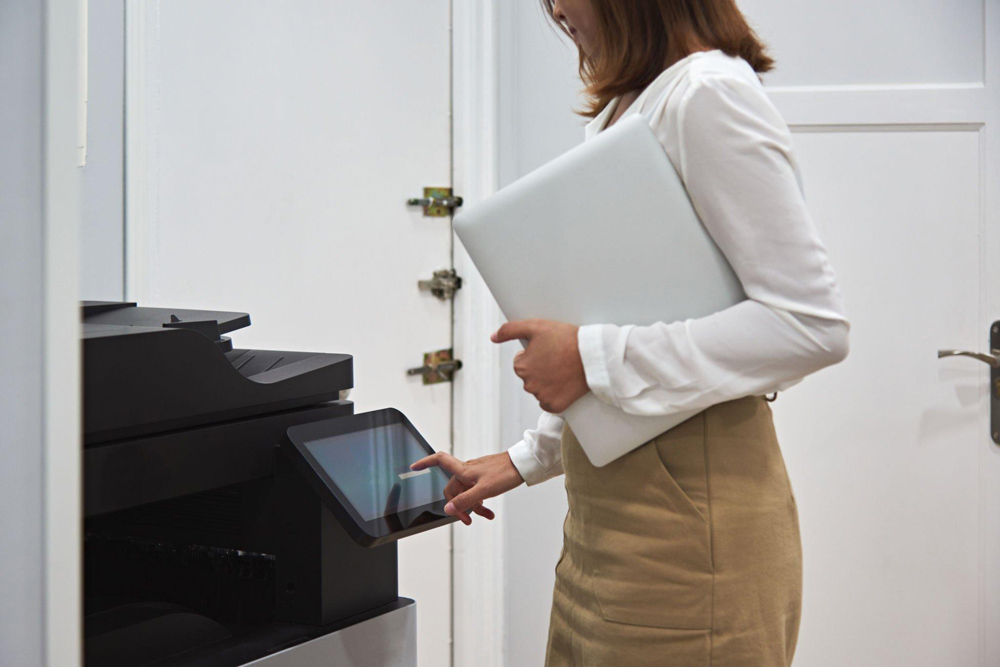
(639, 38)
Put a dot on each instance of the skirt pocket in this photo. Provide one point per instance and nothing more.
(682, 468)
(650, 553)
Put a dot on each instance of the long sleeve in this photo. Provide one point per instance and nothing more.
(734, 153)
(538, 456)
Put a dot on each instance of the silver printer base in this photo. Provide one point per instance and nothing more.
(387, 640)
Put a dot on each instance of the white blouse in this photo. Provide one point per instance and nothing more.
(734, 153)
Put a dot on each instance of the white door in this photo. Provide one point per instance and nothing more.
(895, 106)
(272, 147)
(896, 118)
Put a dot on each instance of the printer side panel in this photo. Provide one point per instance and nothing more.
(322, 575)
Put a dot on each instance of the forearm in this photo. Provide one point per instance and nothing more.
(748, 349)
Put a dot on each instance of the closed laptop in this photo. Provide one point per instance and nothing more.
(605, 233)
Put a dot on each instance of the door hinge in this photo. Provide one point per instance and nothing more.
(438, 367)
(437, 202)
(443, 285)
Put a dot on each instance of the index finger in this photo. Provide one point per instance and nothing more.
(443, 460)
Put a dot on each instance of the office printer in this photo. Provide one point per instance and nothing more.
(206, 543)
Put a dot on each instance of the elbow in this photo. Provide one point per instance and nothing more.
(835, 344)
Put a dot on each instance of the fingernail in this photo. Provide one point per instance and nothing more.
(449, 508)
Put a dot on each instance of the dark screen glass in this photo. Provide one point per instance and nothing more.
(372, 468)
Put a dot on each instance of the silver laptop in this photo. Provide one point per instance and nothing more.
(603, 234)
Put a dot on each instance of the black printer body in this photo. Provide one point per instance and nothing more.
(203, 544)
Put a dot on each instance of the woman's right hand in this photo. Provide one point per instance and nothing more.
(473, 481)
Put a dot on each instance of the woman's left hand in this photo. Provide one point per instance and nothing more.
(550, 364)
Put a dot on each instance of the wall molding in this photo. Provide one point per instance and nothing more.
(478, 551)
(888, 128)
(939, 104)
(142, 50)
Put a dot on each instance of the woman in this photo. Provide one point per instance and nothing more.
(686, 550)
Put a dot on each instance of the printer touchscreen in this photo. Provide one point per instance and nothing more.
(372, 468)
(359, 465)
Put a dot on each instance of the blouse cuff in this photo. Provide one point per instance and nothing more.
(590, 339)
(531, 469)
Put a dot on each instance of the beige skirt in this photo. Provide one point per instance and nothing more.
(683, 552)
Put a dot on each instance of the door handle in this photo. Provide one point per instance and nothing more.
(990, 359)
(993, 359)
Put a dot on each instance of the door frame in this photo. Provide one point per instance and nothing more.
(989, 454)
(478, 608)
(140, 188)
